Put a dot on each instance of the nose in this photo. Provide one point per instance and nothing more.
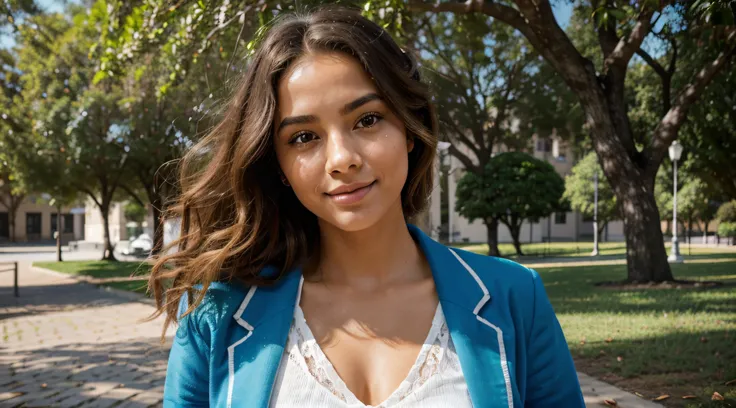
(342, 154)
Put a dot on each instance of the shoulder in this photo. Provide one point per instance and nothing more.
(503, 277)
(498, 270)
(219, 303)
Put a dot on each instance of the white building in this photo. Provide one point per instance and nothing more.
(570, 226)
(120, 227)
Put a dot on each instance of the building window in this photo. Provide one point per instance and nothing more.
(68, 223)
(544, 145)
(33, 224)
(561, 218)
(4, 226)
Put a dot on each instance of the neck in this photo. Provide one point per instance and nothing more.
(382, 255)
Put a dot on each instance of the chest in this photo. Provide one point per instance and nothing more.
(372, 342)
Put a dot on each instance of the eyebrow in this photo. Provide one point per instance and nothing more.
(349, 107)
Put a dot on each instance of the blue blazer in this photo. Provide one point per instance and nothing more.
(510, 345)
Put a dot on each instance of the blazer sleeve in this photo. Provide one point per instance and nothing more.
(187, 374)
(551, 377)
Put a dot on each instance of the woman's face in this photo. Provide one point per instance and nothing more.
(342, 150)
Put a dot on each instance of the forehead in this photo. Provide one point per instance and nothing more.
(322, 82)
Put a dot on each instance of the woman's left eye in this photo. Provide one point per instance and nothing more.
(369, 120)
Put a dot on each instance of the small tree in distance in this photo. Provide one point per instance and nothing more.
(514, 187)
(580, 192)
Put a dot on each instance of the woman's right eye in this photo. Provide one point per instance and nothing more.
(302, 138)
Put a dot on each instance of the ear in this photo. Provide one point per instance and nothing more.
(409, 144)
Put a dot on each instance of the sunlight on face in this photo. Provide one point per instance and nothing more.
(341, 148)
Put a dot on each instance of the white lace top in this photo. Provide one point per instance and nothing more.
(306, 378)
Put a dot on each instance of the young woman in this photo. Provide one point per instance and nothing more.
(299, 283)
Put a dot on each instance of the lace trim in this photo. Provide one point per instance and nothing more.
(303, 349)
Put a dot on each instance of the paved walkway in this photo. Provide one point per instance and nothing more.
(66, 344)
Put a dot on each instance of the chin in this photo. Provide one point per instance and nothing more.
(353, 221)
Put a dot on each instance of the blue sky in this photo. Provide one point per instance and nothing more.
(6, 41)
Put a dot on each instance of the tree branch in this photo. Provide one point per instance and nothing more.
(627, 46)
(656, 66)
(132, 194)
(666, 131)
(464, 159)
(91, 195)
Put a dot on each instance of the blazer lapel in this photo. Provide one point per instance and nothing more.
(479, 343)
(265, 316)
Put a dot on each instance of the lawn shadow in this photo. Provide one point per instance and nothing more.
(663, 365)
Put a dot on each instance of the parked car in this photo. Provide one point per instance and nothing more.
(139, 246)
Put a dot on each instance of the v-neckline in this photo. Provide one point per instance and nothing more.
(352, 400)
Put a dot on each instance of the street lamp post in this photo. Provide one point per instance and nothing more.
(595, 216)
(445, 147)
(675, 151)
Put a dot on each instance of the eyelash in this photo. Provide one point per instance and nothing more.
(377, 115)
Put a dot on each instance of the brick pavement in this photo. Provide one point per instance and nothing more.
(66, 344)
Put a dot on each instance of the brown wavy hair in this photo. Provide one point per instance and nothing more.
(236, 216)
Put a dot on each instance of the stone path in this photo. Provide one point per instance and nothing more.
(68, 344)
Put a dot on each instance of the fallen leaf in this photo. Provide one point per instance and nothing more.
(609, 340)
(703, 339)
(619, 359)
(44, 385)
(662, 397)
(717, 397)
(688, 396)
(638, 395)
(610, 402)
(603, 353)
(732, 382)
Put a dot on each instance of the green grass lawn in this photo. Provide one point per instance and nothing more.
(650, 341)
(581, 249)
(654, 341)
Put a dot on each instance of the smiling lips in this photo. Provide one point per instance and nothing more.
(350, 193)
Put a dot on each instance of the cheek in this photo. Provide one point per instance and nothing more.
(305, 174)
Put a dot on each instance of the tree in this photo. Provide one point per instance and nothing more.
(580, 192)
(727, 220)
(514, 187)
(694, 203)
(74, 121)
(629, 164)
(12, 194)
(489, 91)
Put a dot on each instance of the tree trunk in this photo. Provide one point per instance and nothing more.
(58, 234)
(158, 228)
(515, 232)
(646, 257)
(108, 251)
(492, 230)
(11, 221)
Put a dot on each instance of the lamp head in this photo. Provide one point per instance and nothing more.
(675, 151)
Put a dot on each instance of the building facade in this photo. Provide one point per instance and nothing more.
(568, 226)
(121, 229)
(35, 221)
